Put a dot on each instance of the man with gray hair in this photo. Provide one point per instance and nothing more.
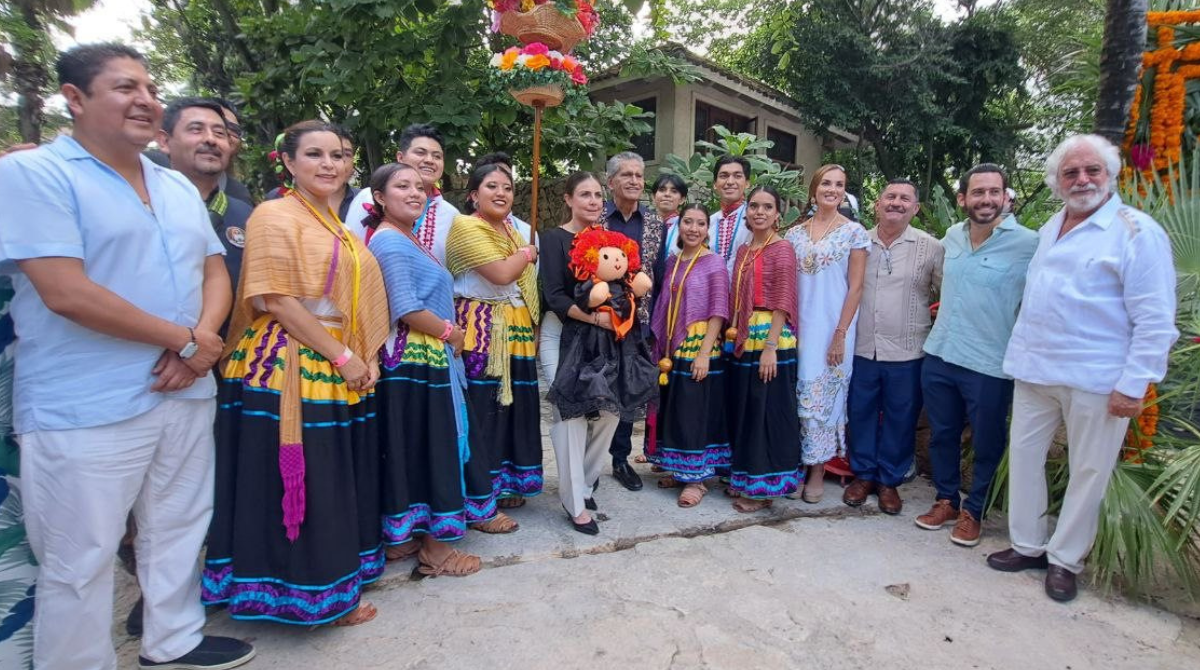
(1096, 323)
(626, 176)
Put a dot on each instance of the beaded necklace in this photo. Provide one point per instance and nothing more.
(751, 257)
(339, 231)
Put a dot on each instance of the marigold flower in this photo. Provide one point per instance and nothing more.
(508, 59)
(537, 62)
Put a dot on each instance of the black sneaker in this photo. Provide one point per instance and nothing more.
(213, 653)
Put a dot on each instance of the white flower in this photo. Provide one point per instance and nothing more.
(521, 60)
(495, 62)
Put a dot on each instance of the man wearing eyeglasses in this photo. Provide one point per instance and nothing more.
(229, 184)
(904, 276)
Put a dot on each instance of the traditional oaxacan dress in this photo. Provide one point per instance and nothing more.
(764, 430)
(295, 528)
(502, 389)
(823, 282)
(692, 442)
(422, 406)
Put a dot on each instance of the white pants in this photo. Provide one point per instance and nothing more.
(78, 488)
(580, 445)
(1094, 439)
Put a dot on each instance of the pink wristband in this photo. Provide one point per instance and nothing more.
(446, 333)
(343, 359)
(528, 254)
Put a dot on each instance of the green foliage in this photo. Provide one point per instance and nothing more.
(698, 170)
(376, 66)
(1174, 201)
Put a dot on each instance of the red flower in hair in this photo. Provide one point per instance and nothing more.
(585, 251)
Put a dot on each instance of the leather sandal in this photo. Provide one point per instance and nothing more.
(359, 615)
(668, 482)
(456, 564)
(691, 495)
(498, 525)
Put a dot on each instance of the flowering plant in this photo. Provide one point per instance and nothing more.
(536, 65)
(580, 9)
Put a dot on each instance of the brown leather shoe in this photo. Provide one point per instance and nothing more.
(966, 530)
(856, 494)
(1060, 584)
(1011, 561)
(939, 515)
(889, 500)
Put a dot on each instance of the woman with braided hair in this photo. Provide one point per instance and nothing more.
(496, 304)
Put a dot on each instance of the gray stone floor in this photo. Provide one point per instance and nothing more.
(818, 586)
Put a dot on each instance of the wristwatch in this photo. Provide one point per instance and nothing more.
(190, 348)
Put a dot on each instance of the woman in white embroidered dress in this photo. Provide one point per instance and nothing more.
(831, 259)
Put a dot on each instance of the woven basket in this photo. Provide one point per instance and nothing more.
(545, 24)
(548, 95)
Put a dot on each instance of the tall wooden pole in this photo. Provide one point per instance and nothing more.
(537, 168)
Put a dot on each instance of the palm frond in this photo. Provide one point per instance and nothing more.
(1133, 545)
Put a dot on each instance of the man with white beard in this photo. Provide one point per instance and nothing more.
(1097, 321)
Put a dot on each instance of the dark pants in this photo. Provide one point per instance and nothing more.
(622, 443)
(953, 396)
(885, 401)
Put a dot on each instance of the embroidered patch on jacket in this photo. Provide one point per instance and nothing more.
(236, 236)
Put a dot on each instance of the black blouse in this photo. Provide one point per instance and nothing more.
(554, 272)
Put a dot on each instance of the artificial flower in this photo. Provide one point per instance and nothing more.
(536, 49)
(508, 59)
(537, 62)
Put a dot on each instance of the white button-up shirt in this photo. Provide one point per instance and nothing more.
(1098, 312)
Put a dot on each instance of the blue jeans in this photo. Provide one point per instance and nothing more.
(953, 396)
(885, 401)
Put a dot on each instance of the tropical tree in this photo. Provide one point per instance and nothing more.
(27, 54)
(1120, 63)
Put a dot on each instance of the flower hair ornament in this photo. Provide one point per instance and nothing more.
(276, 158)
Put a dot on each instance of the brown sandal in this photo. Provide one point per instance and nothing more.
(640, 458)
(456, 564)
(361, 614)
(498, 525)
(400, 552)
(510, 502)
(748, 505)
(691, 495)
(668, 482)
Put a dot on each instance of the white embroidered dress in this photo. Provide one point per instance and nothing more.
(823, 270)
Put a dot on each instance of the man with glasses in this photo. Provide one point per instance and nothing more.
(626, 173)
(1096, 327)
(904, 276)
(962, 377)
(227, 181)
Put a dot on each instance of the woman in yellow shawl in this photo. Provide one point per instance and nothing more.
(295, 529)
(496, 302)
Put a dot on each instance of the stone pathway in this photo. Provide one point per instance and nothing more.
(818, 586)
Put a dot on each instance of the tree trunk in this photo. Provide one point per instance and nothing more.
(30, 76)
(1120, 63)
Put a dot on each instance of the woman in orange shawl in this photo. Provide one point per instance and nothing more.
(295, 529)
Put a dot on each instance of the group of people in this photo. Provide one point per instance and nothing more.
(377, 356)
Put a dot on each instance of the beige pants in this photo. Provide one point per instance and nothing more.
(580, 445)
(78, 487)
(1094, 439)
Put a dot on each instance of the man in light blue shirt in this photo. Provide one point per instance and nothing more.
(962, 378)
(120, 289)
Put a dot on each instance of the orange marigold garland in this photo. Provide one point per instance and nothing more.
(1142, 431)
(1155, 144)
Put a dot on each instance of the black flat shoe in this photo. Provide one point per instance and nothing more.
(590, 503)
(589, 528)
(624, 473)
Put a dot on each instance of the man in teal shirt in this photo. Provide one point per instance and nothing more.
(962, 379)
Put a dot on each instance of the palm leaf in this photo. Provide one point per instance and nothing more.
(1177, 489)
(1133, 544)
